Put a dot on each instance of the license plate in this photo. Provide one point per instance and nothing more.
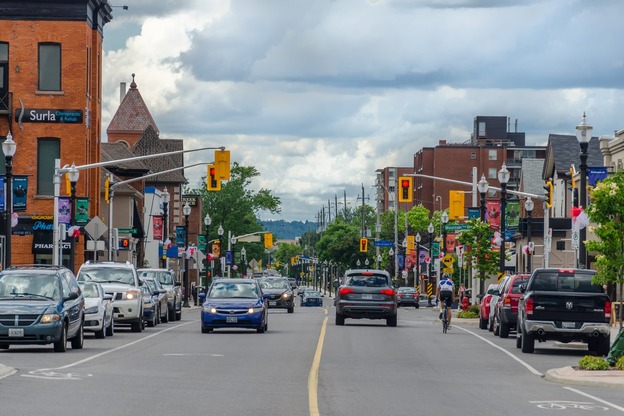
(568, 325)
(273, 303)
(16, 332)
(367, 296)
(231, 319)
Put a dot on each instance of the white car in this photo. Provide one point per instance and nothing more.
(98, 310)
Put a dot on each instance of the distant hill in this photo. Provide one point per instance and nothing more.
(285, 230)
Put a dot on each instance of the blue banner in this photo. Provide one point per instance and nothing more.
(180, 234)
(20, 193)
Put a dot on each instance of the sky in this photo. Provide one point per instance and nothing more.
(319, 94)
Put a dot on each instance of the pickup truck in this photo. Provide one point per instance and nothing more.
(563, 305)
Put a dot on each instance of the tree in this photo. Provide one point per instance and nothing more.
(285, 252)
(479, 253)
(340, 244)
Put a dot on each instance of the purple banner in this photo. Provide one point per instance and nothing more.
(64, 210)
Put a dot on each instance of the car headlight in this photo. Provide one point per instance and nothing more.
(50, 318)
(251, 310)
(92, 309)
(131, 294)
(286, 295)
(209, 309)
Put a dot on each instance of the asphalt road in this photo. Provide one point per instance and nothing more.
(304, 365)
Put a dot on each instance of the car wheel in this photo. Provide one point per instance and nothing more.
(152, 322)
(157, 318)
(391, 320)
(205, 330)
(165, 318)
(77, 342)
(518, 335)
(291, 309)
(417, 306)
(110, 329)
(178, 314)
(61, 344)
(339, 319)
(483, 323)
(496, 326)
(599, 346)
(261, 329)
(490, 325)
(503, 330)
(102, 332)
(137, 326)
(4, 346)
(527, 343)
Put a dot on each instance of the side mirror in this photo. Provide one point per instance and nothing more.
(266, 296)
(480, 296)
(496, 292)
(523, 288)
(71, 296)
(202, 297)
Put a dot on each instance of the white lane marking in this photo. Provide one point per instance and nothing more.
(614, 406)
(193, 354)
(525, 364)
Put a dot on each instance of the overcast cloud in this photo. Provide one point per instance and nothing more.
(318, 94)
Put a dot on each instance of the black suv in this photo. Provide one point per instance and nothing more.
(366, 294)
(279, 291)
(41, 304)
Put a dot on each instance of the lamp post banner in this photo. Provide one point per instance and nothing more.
(157, 221)
(20, 191)
(64, 210)
(82, 211)
(512, 218)
(180, 234)
(474, 213)
(493, 214)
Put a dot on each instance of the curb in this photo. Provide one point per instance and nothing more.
(569, 375)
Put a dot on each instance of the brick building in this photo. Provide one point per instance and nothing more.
(50, 101)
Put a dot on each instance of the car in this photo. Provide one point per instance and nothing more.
(161, 297)
(174, 289)
(484, 307)
(407, 296)
(293, 283)
(121, 281)
(234, 303)
(493, 300)
(98, 310)
(150, 306)
(302, 290)
(506, 308)
(366, 294)
(423, 299)
(312, 298)
(41, 304)
(280, 293)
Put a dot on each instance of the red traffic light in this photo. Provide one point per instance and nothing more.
(405, 183)
(213, 172)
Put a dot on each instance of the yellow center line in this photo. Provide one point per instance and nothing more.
(313, 376)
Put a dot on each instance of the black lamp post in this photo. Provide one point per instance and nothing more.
(503, 178)
(8, 147)
(186, 210)
(417, 238)
(583, 134)
(392, 265)
(243, 262)
(483, 187)
(73, 175)
(233, 242)
(220, 232)
(207, 222)
(430, 229)
(528, 206)
(444, 219)
(165, 197)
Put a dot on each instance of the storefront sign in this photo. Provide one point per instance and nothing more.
(43, 115)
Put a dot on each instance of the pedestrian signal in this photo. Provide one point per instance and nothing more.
(363, 245)
(406, 188)
(213, 183)
(124, 244)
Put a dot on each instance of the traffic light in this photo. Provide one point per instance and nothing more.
(107, 189)
(268, 240)
(456, 205)
(216, 250)
(363, 245)
(222, 163)
(406, 188)
(548, 188)
(213, 183)
(124, 244)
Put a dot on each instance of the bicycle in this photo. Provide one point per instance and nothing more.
(445, 323)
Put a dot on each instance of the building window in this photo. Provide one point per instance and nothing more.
(48, 150)
(492, 173)
(481, 129)
(4, 76)
(492, 154)
(49, 67)
(473, 155)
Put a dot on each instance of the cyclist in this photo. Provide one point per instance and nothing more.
(444, 293)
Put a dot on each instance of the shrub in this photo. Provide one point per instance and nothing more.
(593, 363)
(474, 309)
(619, 364)
(467, 314)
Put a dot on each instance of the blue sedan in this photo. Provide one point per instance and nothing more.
(234, 303)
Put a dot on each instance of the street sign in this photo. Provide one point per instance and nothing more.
(549, 239)
(96, 228)
(448, 260)
(127, 230)
(383, 243)
(456, 227)
(435, 249)
(575, 239)
(448, 270)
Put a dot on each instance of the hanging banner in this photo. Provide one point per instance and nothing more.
(596, 174)
(422, 255)
(82, 211)
(449, 244)
(493, 214)
(180, 234)
(512, 218)
(410, 260)
(64, 210)
(474, 213)
(157, 221)
(20, 192)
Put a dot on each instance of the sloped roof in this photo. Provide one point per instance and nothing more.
(564, 150)
(120, 150)
(150, 144)
(132, 114)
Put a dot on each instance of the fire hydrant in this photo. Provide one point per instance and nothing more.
(465, 303)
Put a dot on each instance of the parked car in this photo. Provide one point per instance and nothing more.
(407, 296)
(366, 294)
(174, 289)
(493, 300)
(121, 281)
(150, 307)
(484, 309)
(41, 304)
(423, 299)
(280, 293)
(506, 307)
(98, 310)
(234, 303)
(160, 295)
(312, 298)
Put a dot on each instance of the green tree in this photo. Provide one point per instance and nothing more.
(340, 244)
(607, 212)
(479, 253)
(285, 252)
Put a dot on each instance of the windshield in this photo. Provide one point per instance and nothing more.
(164, 277)
(89, 290)
(368, 281)
(107, 275)
(565, 281)
(223, 290)
(274, 284)
(30, 284)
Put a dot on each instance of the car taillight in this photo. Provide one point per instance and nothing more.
(387, 292)
(506, 301)
(607, 309)
(528, 304)
(345, 291)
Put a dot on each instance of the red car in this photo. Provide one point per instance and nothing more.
(484, 310)
(506, 308)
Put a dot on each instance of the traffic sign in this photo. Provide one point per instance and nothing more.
(448, 260)
(448, 270)
(383, 243)
(127, 230)
(456, 227)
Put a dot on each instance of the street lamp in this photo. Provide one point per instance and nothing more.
(186, 210)
(528, 206)
(483, 187)
(444, 219)
(503, 178)
(165, 197)
(220, 234)
(207, 222)
(430, 229)
(233, 242)
(583, 135)
(417, 238)
(8, 147)
(358, 264)
(73, 175)
(243, 262)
